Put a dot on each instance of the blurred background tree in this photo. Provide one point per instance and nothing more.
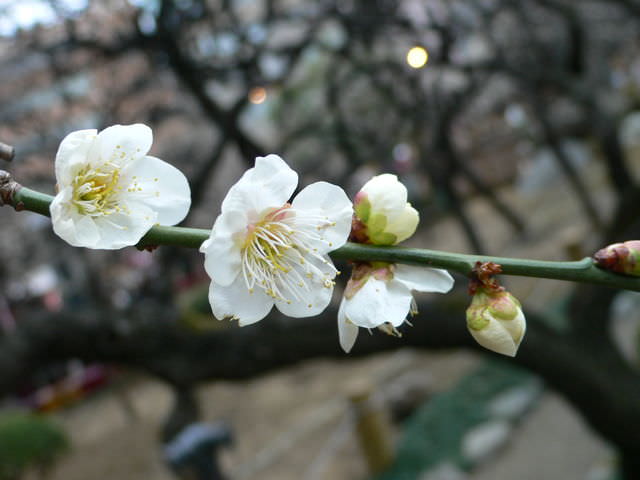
(500, 116)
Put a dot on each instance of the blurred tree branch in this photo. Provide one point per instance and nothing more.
(152, 340)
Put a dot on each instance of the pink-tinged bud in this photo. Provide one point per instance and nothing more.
(382, 214)
(362, 271)
(496, 321)
(620, 258)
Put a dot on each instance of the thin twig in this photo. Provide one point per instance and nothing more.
(583, 271)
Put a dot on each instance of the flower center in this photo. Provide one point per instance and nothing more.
(95, 190)
(278, 255)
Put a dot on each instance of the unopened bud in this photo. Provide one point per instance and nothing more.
(384, 215)
(620, 258)
(496, 321)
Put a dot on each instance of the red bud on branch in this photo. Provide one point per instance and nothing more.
(620, 258)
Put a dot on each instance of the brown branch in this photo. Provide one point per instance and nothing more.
(6, 152)
(8, 188)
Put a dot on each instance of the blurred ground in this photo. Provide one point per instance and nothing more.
(552, 442)
(291, 424)
(285, 423)
(281, 421)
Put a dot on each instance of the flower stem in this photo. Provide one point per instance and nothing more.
(583, 271)
(27, 199)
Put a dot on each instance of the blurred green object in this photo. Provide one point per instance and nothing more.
(434, 433)
(28, 441)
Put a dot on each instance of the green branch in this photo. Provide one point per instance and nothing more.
(583, 271)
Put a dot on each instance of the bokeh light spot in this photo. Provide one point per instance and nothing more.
(257, 95)
(417, 57)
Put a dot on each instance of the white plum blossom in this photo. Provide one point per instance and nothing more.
(385, 216)
(110, 192)
(264, 251)
(379, 295)
(496, 321)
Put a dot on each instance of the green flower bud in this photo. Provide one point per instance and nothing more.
(496, 321)
(384, 215)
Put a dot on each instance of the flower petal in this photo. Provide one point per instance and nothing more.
(223, 258)
(121, 144)
(160, 186)
(72, 155)
(315, 293)
(107, 232)
(386, 193)
(516, 327)
(423, 279)
(403, 224)
(269, 184)
(75, 229)
(347, 331)
(377, 302)
(236, 302)
(119, 230)
(328, 201)
(496, 337)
